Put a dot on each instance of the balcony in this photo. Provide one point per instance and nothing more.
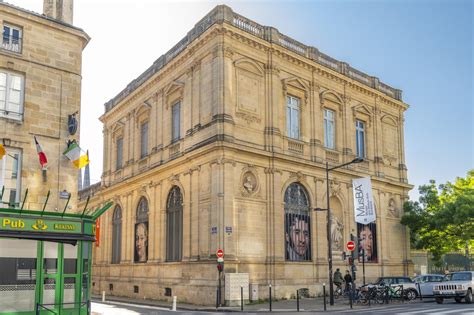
(332, 156)
(295, 146)
(11, 44)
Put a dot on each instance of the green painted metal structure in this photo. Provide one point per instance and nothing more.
(45, 261)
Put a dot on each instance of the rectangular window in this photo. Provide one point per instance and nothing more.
(329, 129)
(10, 176)
(144, 140)
(176, 121)
(293, 117)
(11, 95)
(360, 138)
(11, 39)
(119, 153)
(18, 261)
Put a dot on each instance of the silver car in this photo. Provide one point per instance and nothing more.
(427, 282)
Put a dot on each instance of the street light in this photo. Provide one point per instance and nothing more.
(328, 169)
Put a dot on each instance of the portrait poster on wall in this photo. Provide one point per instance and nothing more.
(141, 242)
(367, 234)
(297, 237)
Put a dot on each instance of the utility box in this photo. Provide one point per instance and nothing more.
(254, 292)
(233, 284)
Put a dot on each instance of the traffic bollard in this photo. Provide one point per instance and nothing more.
(297, 301)
(349, 291)
(242, 298)
(174, 304)
(270, 296)
(419, 292)
(103, 296)
(324, 295)
(403, 295)
(386, 295)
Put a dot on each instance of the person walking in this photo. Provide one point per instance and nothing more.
(348, 280)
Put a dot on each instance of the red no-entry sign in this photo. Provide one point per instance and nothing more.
(350, 245)
(220, 253)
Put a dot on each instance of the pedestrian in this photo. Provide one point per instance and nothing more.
(348, 280)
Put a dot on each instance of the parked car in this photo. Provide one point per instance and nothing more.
(427, 282)
(460, 286)
(409, 286)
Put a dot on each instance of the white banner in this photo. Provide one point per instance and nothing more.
(364, 209)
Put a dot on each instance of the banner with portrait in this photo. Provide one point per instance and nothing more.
(141, 242)
(364, 208)
(367, 235)
(297, 237)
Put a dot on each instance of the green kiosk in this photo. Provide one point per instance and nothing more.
(45, 261)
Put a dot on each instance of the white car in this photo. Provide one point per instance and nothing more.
(427, 282)
(460, 286)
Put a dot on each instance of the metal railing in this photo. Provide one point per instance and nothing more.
(50, 308)
(12, 44)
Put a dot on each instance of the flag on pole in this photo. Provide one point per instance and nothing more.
(42, 157)
(78, 157)
(2, 151)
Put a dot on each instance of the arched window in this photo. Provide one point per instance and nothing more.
(116, 235)
(174, 225)
(141, 231)
(297, 223)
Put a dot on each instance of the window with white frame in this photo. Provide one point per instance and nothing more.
(144, 140)
(360, 138)
(11, 39)
(329, 133)
(293, 117)
(11, 95)
(119, 159)
(10, 177)
(176, 121)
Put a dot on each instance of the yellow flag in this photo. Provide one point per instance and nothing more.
(82, 161)
(2, 151)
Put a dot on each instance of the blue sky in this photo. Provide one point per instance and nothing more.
(424, 48)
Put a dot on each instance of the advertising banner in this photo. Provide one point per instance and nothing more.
(364, 209)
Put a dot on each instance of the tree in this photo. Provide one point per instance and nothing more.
(442, 220)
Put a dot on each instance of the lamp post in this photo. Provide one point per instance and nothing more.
(328, 169)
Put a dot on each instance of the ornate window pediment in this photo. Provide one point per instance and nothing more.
(249, 65)
(333, 97)
(296, 86)
(173, 92)
(389, 119)
(363, 111)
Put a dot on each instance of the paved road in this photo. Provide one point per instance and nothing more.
(118, 308)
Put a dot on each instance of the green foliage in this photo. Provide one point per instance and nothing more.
(443, 219)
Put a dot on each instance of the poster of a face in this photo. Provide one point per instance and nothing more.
(297, 236)
(141, 242)
(367, 234)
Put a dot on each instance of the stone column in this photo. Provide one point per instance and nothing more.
(229, 212)
(275, 116)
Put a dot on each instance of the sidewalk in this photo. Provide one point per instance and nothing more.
(306, 304)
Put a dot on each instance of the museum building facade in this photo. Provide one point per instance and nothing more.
(222, 144)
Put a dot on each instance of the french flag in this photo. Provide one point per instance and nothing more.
(42, 157)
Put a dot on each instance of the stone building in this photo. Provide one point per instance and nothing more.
(40, 86)
(222, 144)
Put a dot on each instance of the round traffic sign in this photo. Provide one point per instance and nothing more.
(220, 253)
(350, 245)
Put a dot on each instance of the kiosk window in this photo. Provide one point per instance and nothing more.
(17, 275)
(50, 257)
(70, 259)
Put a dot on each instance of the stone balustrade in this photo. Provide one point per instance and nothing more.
(224, 14)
